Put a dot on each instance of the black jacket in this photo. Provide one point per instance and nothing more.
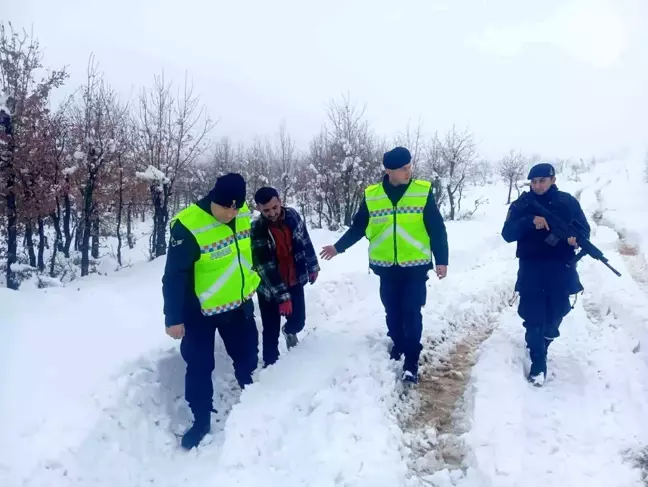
(542, 266)
(180, 301)
(433, 223)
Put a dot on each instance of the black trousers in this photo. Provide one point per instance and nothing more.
(542, 313)
(272, 321)
(403, 300)
(238, 330)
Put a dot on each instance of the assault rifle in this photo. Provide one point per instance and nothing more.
(560, 230)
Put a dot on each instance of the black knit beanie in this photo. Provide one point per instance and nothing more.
(229, 191)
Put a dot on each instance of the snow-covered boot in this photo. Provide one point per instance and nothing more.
(200, 428)
(538, 373)
(291, 338)
(410, 377)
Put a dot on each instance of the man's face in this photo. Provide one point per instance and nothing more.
(223, 214)
(542, 185)
(401, 175)
(271, 210)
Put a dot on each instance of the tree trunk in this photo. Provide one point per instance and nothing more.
(67, 210)
(459, 198)
(437, 189)
(451, 200)
(160, 217)
(86, 226)
(129, 225)
(41, 245)
(12, 235)
(78, 237)
(11, 209)
(95, 235)
(176, 203)
(120, 204)
(53, 262)
(56, 219)
(508, 200)
(29, 243)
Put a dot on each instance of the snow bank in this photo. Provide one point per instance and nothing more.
(16, 267)
(59, 345)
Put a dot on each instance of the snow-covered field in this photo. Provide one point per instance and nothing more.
(92, 389)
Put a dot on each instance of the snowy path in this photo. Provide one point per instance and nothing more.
(575, 430)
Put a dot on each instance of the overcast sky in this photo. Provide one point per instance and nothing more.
(558, 77)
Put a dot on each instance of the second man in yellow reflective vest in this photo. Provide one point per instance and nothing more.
(405, 229)
(208, 285)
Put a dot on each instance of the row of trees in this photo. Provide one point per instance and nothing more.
(85, 169)
(89, 168)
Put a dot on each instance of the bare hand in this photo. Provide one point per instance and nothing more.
(540, 223)
(176, 331)
(328, 252)
(572, 241)
(312, 277)
(441, 271)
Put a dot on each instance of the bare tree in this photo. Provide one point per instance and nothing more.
(92, 117)
(458, 156)
(352, 161)
(511, 170)
(413, 140)
(433, 168)
(283, 156)
(256, 168)
(171, 135)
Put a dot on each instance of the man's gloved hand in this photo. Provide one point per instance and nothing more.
(312, 277)
(285, 308)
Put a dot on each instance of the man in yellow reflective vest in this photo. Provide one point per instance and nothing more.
(402, 222)
(208, 284)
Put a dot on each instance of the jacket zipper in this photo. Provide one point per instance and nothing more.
(395, 247)
(238, 256)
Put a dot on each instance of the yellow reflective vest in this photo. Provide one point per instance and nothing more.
(223, 275)
(397, 234)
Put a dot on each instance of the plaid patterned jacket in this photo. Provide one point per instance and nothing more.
(264, 256)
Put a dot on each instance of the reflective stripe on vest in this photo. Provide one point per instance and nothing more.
(397, 234)
(223, 275)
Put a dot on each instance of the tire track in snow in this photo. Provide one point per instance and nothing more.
(433, 414)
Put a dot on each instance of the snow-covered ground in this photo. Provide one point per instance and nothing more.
(92, 389)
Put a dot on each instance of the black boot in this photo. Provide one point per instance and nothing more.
(395, 354)
(199, 429)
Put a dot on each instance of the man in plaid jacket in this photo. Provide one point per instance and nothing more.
(284, 257)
